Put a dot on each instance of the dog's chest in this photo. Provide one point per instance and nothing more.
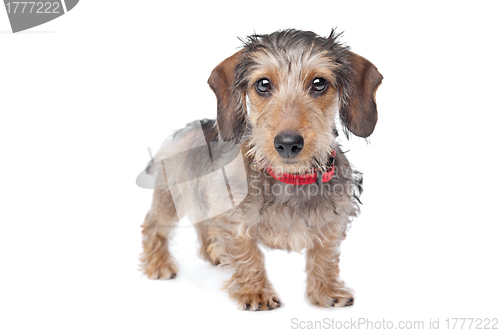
(295, 230)
(291, 217)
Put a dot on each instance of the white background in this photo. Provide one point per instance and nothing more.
(83, 96)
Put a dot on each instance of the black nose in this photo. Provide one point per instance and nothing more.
(288, 144)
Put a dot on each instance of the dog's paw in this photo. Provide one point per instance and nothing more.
(331, 297)
(258, 301)
(165, 271)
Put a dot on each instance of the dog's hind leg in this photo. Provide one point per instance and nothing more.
(203, 237)
(157, 263)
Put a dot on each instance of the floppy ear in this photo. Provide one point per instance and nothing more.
(359, 114)
(231, 109)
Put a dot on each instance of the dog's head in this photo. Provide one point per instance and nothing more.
(285, 89)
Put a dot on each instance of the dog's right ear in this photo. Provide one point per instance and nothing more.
(231, 109)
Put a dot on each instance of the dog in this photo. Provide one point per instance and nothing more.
(273, 152)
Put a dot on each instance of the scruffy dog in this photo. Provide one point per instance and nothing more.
(269, 169)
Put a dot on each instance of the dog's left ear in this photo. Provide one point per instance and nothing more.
(231, 109)
(359, 114)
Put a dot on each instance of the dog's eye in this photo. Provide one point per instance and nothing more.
(319, 84)
(263, 86)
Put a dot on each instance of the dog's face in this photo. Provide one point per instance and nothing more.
(284, 90)
(292, 100)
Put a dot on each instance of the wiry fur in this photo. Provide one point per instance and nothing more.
(274, 214)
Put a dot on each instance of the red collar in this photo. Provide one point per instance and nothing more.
(306, 178)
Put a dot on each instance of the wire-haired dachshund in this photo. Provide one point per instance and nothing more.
(269, 169)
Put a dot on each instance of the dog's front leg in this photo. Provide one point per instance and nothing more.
(249, 284)
(324, 286)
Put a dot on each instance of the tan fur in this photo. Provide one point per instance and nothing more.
(292, 108)
(157, 261)
(264, 211)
